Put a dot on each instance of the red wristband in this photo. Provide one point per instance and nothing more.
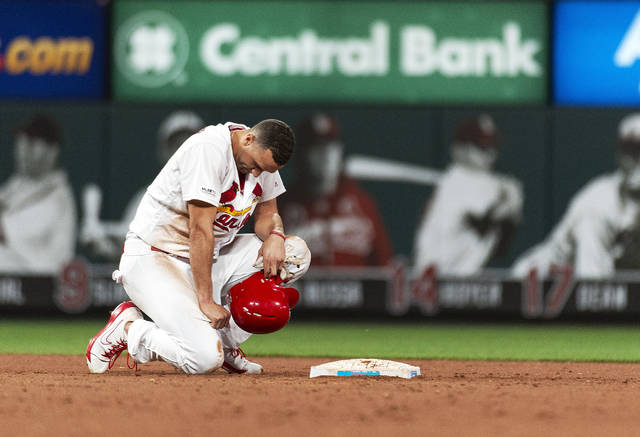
(279, 234)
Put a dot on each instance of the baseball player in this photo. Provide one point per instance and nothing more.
(473, 211)
(183, 252)
(600, 231)
(37, 208)
(340, 222)
(105, 238)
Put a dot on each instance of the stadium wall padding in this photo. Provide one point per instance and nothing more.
(554, 151)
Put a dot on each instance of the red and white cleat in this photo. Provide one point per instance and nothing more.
(235, 361)
(107, 345)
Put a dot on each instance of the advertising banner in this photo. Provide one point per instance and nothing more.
(51, 49)
(596, 49)
(86, 288)
(436, 52)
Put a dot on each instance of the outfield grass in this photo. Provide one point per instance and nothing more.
(454, 341)
(418, 341)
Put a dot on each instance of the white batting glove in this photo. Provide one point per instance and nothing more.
(296, 261)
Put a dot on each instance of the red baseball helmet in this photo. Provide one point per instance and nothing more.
(260, 305)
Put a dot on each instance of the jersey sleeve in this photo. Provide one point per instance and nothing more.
(202, 168)
(272, 186)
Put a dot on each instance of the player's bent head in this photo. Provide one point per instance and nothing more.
(259, 305)
(276, 136)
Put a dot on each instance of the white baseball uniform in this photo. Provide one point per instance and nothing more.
(444, 237)
(154, 265)
(587, 235)
(39, 221)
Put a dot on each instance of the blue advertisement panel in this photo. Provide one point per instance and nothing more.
(596, 53)
(51, 49)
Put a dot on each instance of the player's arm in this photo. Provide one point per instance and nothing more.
(269, 228)
(201, 239)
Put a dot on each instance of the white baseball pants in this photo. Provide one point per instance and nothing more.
(162, 287)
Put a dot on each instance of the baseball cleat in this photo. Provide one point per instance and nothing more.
(235, 361)
(107, 345)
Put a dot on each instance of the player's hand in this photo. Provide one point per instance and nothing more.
(272, 253)
(218, 315)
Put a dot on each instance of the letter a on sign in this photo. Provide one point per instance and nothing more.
(629, 49)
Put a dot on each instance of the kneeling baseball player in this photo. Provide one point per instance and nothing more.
(186, 268)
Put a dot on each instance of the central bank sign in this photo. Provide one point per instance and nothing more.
(434, 52)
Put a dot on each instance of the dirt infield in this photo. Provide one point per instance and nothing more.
(55, 396)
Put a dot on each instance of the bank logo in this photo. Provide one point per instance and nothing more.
(151, 49)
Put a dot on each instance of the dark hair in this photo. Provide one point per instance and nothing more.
(41, 126)
(276, 136)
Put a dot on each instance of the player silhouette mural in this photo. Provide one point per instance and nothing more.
(339, 221)
(37, 207)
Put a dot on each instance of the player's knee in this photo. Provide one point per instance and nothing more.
(210, 362)
(206, 358)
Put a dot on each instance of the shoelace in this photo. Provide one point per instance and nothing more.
(113, 353)
(135, 364)
(229, 366)
(236, 352)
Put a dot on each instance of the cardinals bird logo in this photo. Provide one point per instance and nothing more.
(257, 191)
(230, 194)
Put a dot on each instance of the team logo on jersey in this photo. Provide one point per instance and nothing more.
(151, 49)
(257, 192)
(230, 218)
(230, 210)
(230, 194)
